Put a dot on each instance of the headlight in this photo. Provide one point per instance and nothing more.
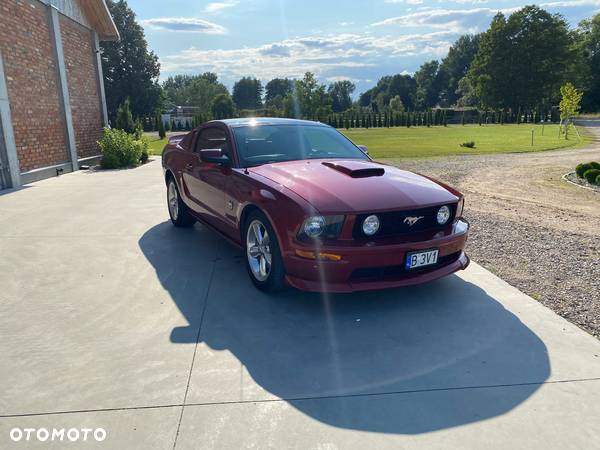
(370, 225)
(443, 215)
(314, 226)
(322, 226)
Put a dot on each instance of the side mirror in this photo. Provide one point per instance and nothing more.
(364, 149)
(215, 156)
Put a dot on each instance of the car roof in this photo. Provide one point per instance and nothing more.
(253, 121)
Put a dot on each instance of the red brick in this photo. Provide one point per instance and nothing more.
(83, 86)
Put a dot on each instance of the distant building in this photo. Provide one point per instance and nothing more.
(52, 105)
(182, 116)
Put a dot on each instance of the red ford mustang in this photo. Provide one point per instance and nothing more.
(311, 209)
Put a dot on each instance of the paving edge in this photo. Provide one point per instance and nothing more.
(564, 177)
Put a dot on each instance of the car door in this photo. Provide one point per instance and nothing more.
(206, 182)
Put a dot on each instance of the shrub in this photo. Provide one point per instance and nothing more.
(119, 149)
(591, 175)
(143, 144)
(468, 144)
(138, 130)
(583, 167)
(161, 128)
(124, 120)
(598, 180)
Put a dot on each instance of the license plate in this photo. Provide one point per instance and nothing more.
(420, 259)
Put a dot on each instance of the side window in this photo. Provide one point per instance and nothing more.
(212, 138)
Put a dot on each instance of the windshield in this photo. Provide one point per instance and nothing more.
(274, 143)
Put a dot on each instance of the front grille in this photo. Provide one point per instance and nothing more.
(394, 272)
(393, 222)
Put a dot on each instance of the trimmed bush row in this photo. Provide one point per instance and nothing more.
(583, 167)
(590, 171)
(120, 149)
(591, 175)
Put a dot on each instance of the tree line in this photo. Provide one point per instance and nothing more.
(509, 73)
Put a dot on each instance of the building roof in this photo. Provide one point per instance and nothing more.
(245, 121)
(99, 16)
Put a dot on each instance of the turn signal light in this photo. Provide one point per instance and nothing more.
(320, 255)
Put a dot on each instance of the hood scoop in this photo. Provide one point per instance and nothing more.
(355, 171)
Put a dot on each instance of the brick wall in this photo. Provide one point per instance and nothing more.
(32, 81)
(83, 86)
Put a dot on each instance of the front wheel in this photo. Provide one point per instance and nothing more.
(178, 211)
(263, 257)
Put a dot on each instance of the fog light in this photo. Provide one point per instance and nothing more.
(370, 225)
(443, 215)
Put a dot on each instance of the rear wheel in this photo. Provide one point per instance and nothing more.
(178, 211)
(263, 257)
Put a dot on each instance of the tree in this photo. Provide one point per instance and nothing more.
(588, 36)
(310, 98)
(456, 65)
(130, 70)
(388, 87)
(522, 60)
(341, 95)
(570, 104)
(124, 118)
(278, 87)
(222, 106)
(429, 82)
(161, 128)
(138, 130)
(396, 105)
(193, 90)
(247, 93)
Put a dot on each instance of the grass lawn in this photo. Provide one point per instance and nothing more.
(156, 145)
(414, 142)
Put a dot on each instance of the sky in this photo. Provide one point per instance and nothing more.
(357, 40)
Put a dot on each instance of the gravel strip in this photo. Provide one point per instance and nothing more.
(560, 270)
(529, 226)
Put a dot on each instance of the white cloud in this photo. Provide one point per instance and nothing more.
(408, 2)
(466, 20)
(457, 20)
(345, 24)
(335, 78)
(570, 3)
(328, 56)
(184, 24)
(216, 7)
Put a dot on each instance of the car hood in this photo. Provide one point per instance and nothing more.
(345, 186)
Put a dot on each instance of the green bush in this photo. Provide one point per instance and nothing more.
(469, 144)
(584, 167)
(591, 175)
(598, 180)
(119, 149)
(143, 144)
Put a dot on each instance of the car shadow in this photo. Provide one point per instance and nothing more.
(408, 360)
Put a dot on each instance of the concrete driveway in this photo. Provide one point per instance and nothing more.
(111, 318)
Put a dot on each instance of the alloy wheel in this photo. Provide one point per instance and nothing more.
(173, 200)
(258, 250)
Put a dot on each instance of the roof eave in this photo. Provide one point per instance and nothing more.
(99, 15)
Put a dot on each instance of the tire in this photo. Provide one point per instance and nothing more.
(268, 277)
(178, 211)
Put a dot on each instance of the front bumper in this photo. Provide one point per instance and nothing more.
(378, 264)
